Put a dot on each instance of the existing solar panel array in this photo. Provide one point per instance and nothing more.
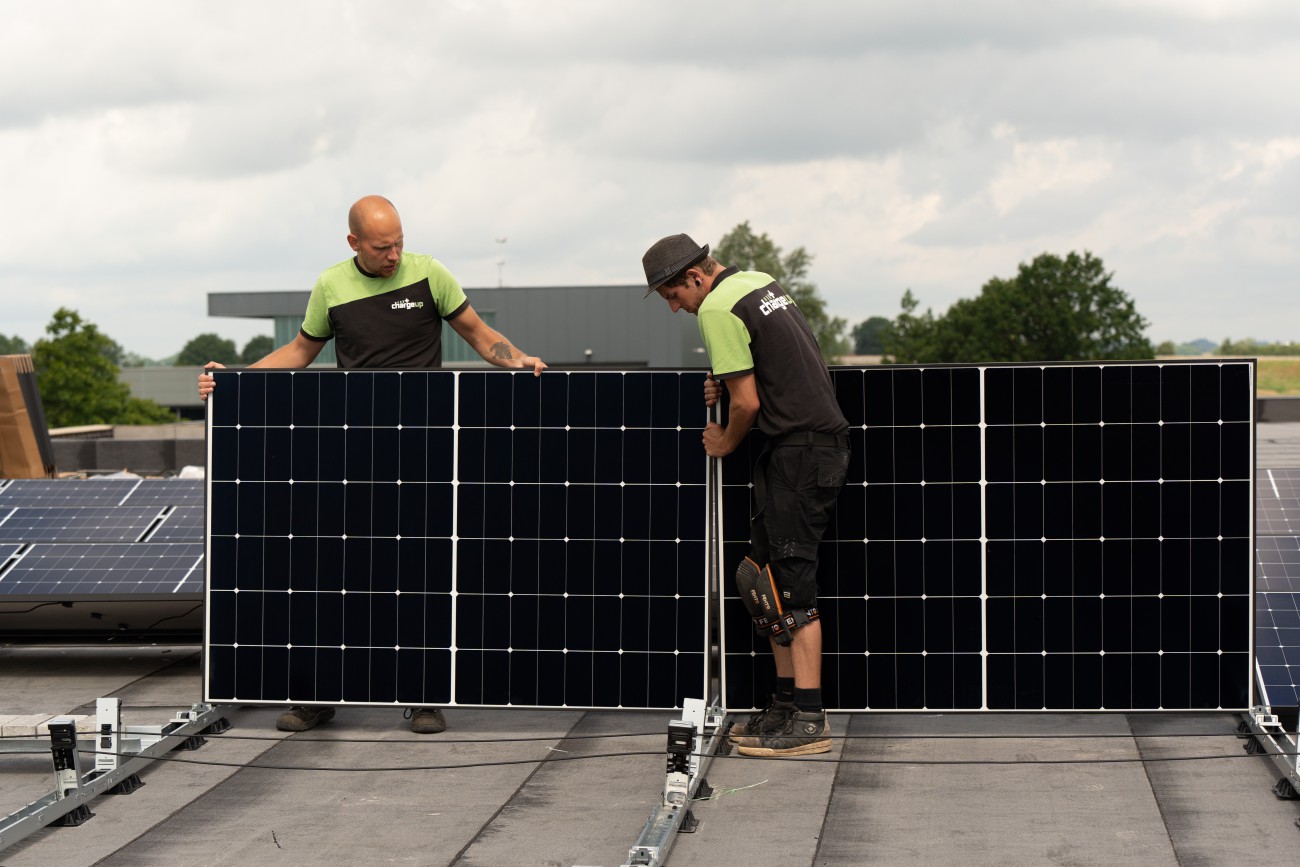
(74, 539)
(1277, 599)
(76, 523)
(448, 538)
(1012, 537)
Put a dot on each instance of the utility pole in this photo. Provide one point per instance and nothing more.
(501, 262)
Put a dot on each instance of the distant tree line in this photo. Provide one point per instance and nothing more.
(210, 347)
(13, 345)
(1249, 347)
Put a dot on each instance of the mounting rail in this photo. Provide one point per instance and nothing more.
(1265, 733)
(120, 752)
(692, 742)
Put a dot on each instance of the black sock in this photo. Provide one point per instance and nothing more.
(808, 700)
(784, 688)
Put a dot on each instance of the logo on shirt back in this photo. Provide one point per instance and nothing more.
(407, 304)
(770, 302)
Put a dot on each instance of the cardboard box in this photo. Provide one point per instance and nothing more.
(25, 448)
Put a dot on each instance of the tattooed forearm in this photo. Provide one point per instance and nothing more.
(502, 350)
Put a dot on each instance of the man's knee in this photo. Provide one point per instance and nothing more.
(777, 610)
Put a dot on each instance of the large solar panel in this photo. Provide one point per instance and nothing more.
(1066, 537)
(76, 523)
(456, 538)
(1030, 537)
(166, 492)
(90, 571)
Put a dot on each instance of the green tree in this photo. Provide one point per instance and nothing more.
(1054, 309)
(257, 348)
(13, 345)
(205, 348)
(1250, 346)
(869, 335)
(1167, 348)
(749, 252)
(77, 375)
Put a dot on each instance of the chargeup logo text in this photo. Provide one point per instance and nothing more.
(770, 302)
(407, 304)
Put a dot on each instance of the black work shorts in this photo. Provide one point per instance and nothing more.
(799, 485)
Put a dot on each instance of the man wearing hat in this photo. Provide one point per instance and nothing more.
(760, 345)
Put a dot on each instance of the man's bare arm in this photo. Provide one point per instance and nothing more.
(298, 352)
(491, 345)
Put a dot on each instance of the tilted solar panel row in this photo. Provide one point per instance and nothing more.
(75, 539)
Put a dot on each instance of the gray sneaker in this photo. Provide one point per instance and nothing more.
(301, 719)
(771, 717)
(802, 734)
(426, 720)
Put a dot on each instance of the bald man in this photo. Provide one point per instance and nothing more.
(383, 308)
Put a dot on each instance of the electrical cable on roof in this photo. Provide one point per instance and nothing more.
(227, 735)
(287, 739)
(33, 608)
(659, 753)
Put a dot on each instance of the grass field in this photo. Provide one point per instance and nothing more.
(1278, 376)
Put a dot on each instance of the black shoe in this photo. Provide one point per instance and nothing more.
(426, 720)
(301, 719)
(771, 717)
(802, 734)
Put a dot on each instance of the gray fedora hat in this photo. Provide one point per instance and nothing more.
(669, 257)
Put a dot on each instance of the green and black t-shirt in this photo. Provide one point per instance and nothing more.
(384, 321)
(750, 325)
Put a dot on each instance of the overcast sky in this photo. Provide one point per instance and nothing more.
(152, 153)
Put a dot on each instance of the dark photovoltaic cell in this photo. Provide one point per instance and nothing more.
(1079, 538)
(181, 524)
(7, 551)
(457, 538)
(66, 492)
(95, 571)
(166, 492)
(75, 523)
(1017, 537)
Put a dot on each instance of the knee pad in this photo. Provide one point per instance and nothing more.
(755, 587)
(758, 591)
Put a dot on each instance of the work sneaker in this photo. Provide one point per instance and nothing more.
(301, 719)
(770, 717)
(803, 733)
(426, 720)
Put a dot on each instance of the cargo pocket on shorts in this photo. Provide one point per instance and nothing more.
(832, 467)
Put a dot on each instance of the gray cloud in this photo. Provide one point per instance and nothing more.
(155, 152)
